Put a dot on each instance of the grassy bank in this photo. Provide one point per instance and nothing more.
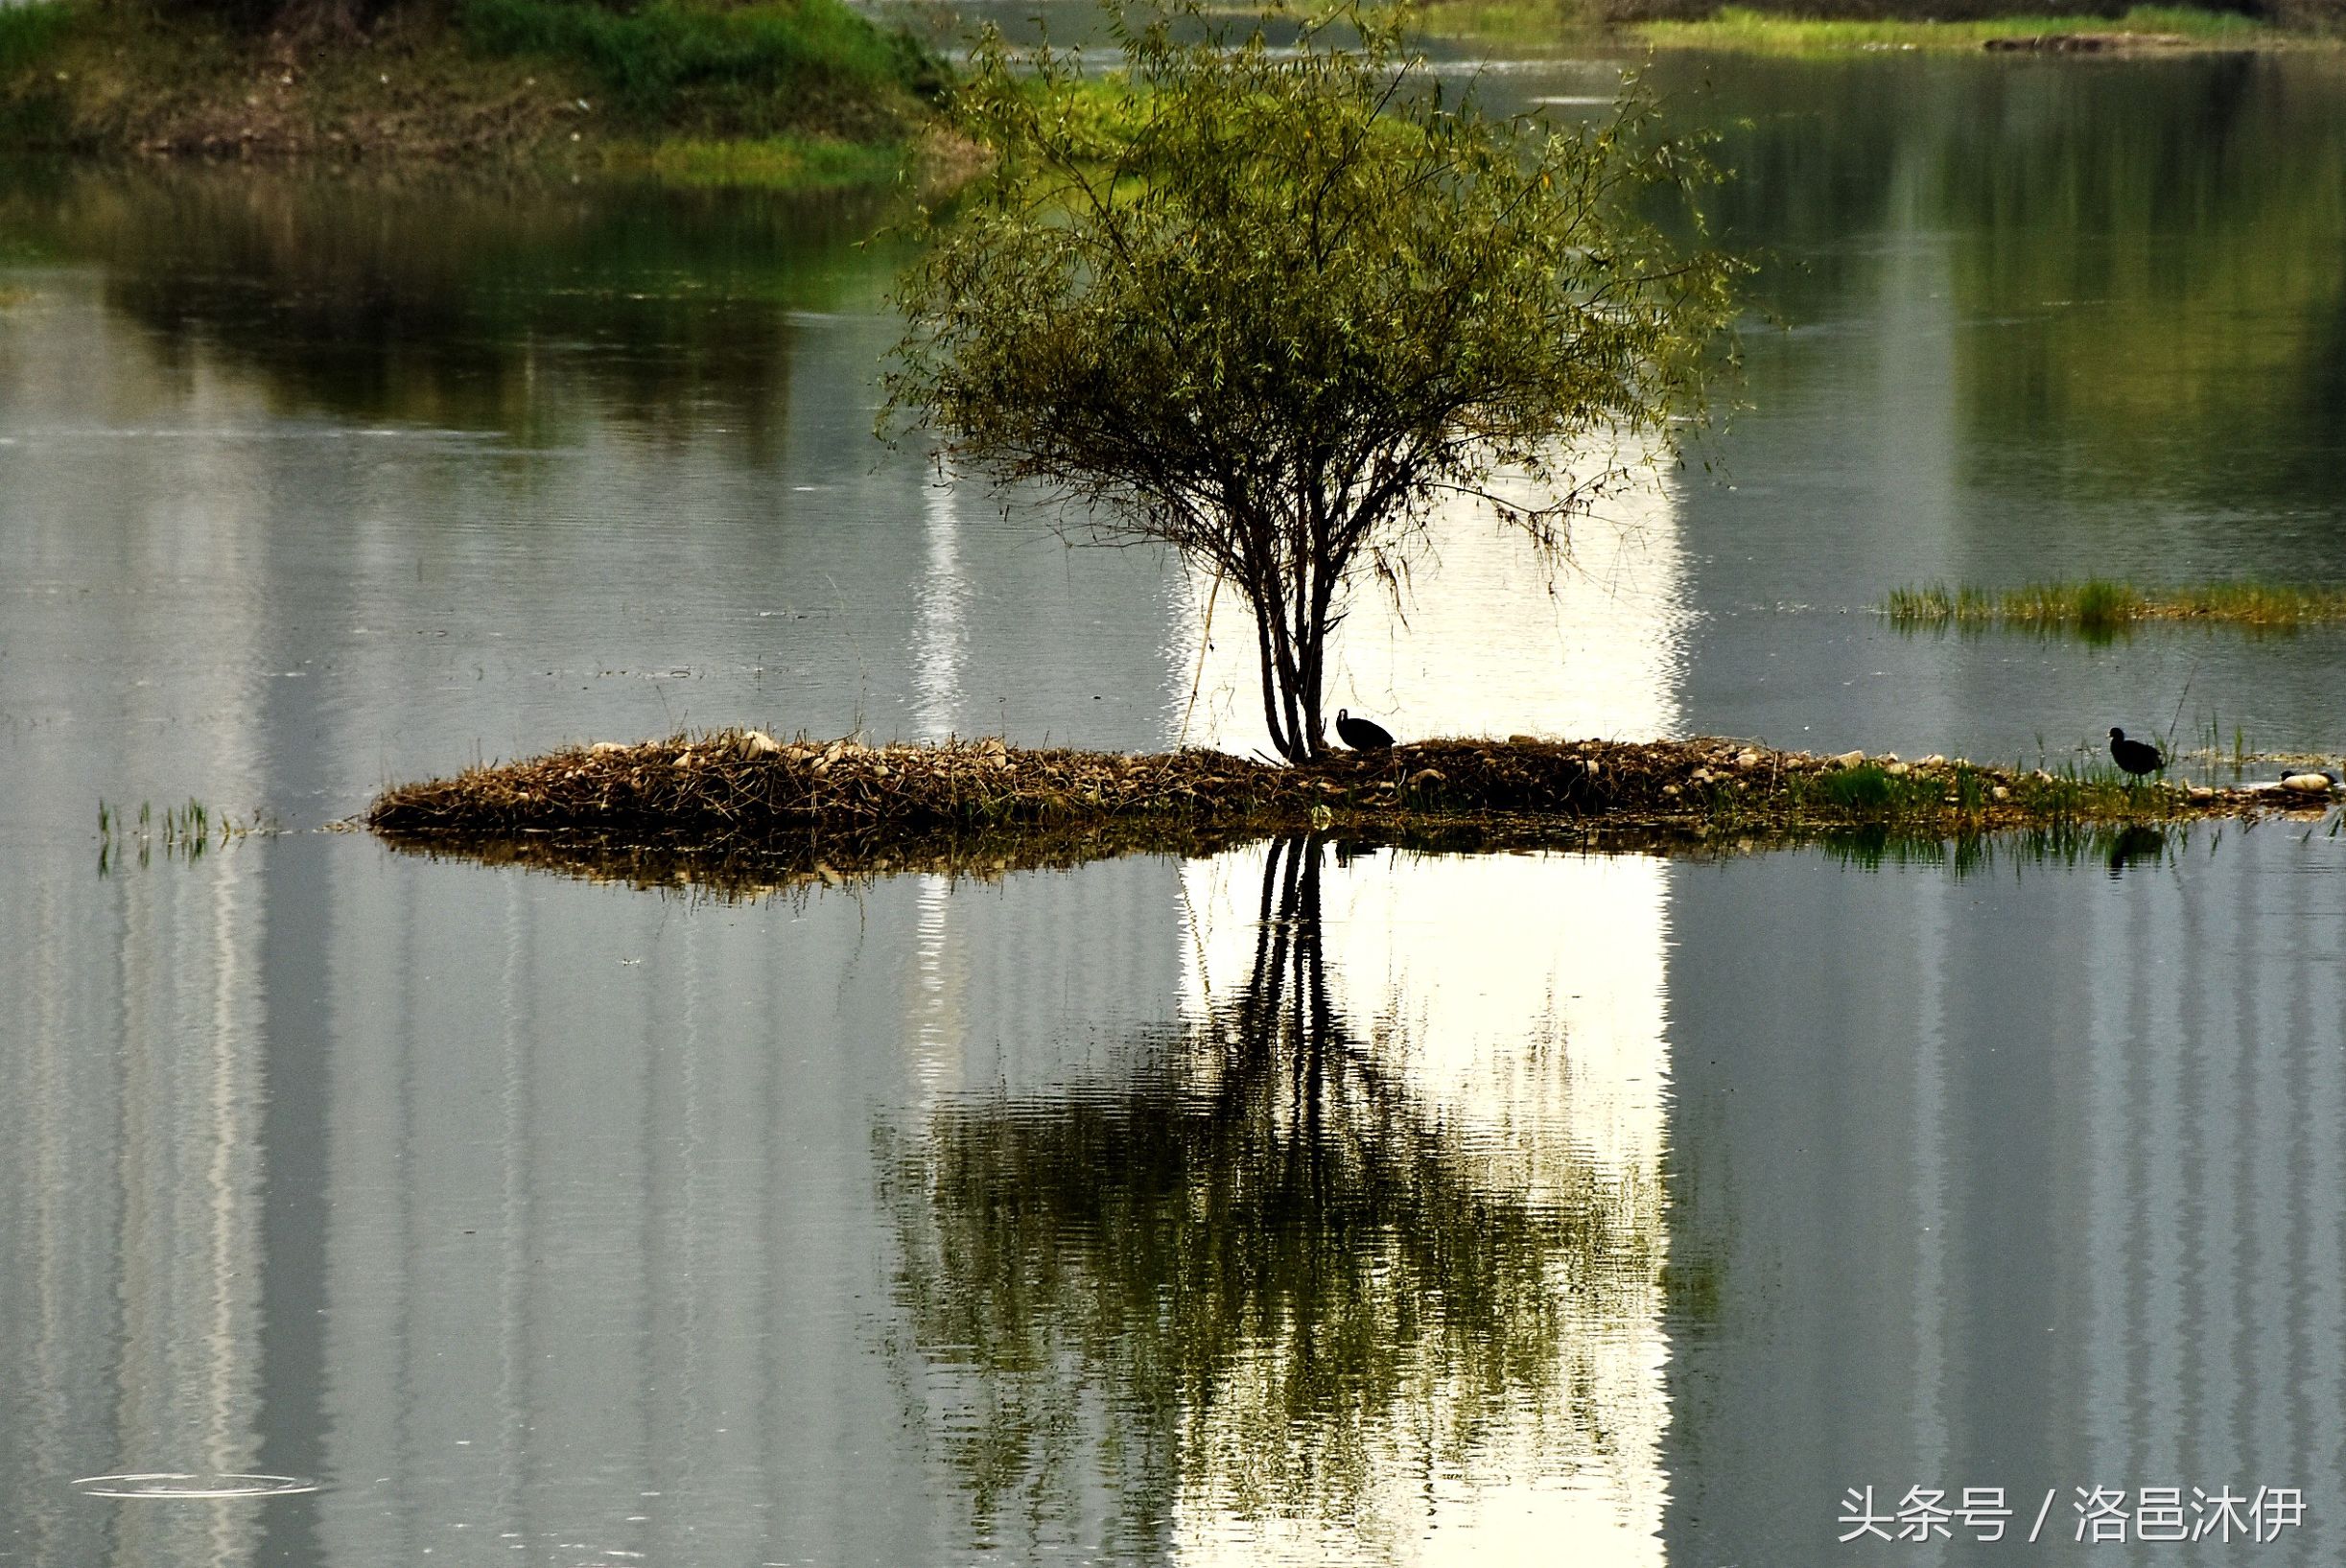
(834, 810)
(1744, 30)
(2101, 607)
(781, 92)
(2144, 27)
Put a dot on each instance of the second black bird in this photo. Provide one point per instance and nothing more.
(1360, 734)
(2136, 757)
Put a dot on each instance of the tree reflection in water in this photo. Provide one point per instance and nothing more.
(1261, 1278)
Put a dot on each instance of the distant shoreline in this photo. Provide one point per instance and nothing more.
(787, 95)
(2143, 31)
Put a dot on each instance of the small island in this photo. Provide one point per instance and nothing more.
(767, 812)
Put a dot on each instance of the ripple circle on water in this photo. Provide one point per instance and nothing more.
(179, 1485)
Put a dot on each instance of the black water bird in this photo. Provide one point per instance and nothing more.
(2136, 757)
(1361, 734)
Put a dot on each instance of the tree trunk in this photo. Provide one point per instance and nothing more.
(1291, 640)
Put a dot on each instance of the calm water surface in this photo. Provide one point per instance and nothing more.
(1306, 1204)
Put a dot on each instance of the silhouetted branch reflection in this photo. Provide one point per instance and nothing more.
(1262, 1275)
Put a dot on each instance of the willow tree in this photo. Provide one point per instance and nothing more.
(1275, 307)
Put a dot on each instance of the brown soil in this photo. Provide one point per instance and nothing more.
(121, 81)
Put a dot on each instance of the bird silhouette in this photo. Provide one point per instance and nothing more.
(2136, 757)
(1361, 734)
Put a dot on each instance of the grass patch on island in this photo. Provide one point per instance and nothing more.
(2101, 607)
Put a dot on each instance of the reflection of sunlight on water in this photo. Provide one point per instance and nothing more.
(933, 1021)
(940, 637)
(1522, 999)
(1486, 643)
(133, 1176)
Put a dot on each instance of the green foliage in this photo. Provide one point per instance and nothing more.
(28, 33)
(33, 110)
(792, 163)
(654, 60)
(1867, 790)
(1276, 308)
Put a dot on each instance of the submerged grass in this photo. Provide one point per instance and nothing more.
(2103, 607)
(1756, 32)
(181, 832)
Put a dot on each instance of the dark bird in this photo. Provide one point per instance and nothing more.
(2136, 757)
(1360, 735)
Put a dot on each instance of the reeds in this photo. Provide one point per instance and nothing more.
(181, 832)
(2107, 607)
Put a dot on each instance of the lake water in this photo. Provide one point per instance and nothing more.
(1308, 1202)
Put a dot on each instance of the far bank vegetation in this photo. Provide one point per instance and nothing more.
(1799, 26)
(573, 80)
